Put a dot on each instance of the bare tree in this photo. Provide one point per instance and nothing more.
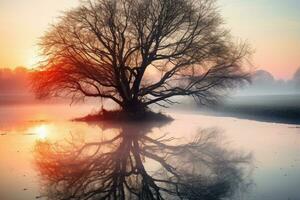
(296, 78)
(140, 52)
(118, 168)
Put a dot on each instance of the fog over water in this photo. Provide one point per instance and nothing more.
(257, 127)
(150, 100)
(274, 148)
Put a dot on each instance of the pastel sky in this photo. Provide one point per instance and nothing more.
(272, 27)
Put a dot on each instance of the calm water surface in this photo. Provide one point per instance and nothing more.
(275, 148)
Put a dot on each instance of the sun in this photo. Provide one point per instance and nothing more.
(33, 59)
(41, 132)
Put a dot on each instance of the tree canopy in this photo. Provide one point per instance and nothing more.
(140, 52)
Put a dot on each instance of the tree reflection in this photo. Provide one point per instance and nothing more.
(134, 165)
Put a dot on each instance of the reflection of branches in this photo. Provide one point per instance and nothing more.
(201, 169)
(117, 168)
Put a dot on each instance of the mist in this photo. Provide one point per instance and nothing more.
(263, 83)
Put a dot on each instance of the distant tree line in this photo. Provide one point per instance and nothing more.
(263, 82)
(14, 81)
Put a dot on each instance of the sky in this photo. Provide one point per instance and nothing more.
(271, 27)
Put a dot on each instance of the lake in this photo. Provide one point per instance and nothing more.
(265, 157)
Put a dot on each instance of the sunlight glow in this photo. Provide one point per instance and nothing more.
(41, 132)
(33, 59)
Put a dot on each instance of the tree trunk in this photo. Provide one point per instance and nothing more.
(134, 108)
